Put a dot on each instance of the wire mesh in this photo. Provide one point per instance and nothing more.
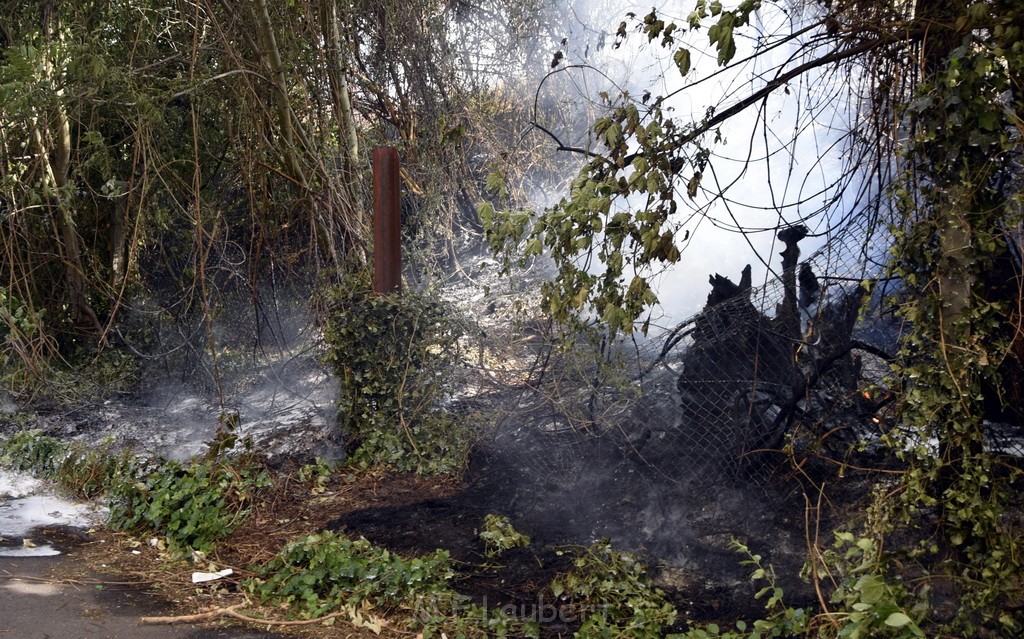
(727, 394)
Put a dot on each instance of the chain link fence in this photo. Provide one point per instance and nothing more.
(796, 365)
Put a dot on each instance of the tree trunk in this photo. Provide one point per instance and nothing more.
(955, 280)
(56, 179)
(337, 72)
(272, 55)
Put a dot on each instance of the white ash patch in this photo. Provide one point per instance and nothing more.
(27, 504)
(287, 407)
(14, 485)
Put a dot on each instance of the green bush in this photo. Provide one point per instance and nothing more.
(319, 573)
(327, 573)
(85, 472)
(394, 356)
(32, 452)
(90, 473)
(613, 595)
(193, 505)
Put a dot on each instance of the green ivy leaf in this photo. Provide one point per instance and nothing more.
(682, 60)
(897, 620)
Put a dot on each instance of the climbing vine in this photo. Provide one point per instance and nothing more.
(962, 208)
(394, 357)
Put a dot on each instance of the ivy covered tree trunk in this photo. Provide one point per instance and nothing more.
(960, 205)
(956, 290)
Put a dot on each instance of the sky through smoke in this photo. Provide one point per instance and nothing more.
(781, 160)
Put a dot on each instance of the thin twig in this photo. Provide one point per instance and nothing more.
(73, 582)
(813, 549)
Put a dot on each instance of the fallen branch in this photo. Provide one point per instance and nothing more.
(232, 611)
(73, 582)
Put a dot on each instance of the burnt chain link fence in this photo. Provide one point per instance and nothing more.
(794, 366)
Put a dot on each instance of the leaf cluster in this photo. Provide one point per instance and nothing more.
(321, 574)
(499, 535)
(193, 505)
(314, 575)
(618, 222)
(613, 596)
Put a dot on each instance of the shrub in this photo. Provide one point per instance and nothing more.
(613, 595)
(394, 356)
(193, 505)
(31, 451)
(85, 472)
(320, 573)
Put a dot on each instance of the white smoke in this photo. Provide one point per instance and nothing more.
(780, 161)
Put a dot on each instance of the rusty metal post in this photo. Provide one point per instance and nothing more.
(387, 223)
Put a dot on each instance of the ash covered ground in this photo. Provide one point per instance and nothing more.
(562, 477)
(568, 468)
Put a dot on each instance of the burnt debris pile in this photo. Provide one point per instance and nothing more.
(749, 381)
(793, 367)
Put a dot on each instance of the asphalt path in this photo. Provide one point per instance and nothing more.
(47, 592)
(37, 603)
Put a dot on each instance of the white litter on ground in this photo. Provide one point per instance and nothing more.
(201, 577)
